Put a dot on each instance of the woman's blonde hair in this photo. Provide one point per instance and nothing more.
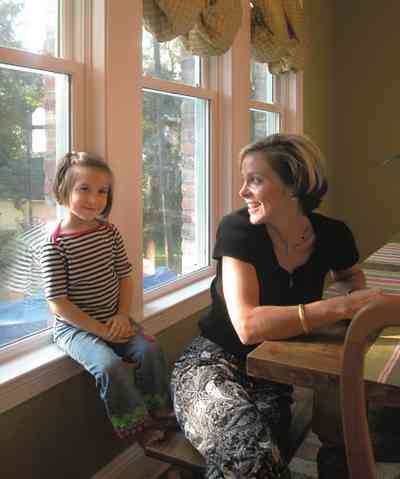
(66, 176)
(299, 164)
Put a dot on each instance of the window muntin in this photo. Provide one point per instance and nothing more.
(30, 25)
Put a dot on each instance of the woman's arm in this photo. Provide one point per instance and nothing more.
(351, 279)
(254, 323)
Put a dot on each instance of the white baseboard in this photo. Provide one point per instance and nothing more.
(132, 463)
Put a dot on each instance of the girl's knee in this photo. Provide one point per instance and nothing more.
(148, 349)
(116, 368)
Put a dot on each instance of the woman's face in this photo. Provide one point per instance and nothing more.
(264, 193)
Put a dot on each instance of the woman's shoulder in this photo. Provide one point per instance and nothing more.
(330, 230)
(326, 222)
(236, 236)
(237, 220)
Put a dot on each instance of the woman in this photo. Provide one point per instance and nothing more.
(273, 256)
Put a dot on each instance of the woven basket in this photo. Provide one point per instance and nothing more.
(216, 28)
(167, 19)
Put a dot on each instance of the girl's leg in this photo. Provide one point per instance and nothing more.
(217, 414)
(124, 403)
(151, 371)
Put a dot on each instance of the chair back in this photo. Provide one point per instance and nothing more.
(372, 318)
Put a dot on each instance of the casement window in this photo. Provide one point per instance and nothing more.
(177, 156)
(39, 92)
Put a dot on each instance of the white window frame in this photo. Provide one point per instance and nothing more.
(107, 120)
(31, 353)
(203, 92)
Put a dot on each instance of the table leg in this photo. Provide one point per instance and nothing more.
(327, 425)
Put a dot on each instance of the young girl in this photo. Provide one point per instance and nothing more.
(89, 289)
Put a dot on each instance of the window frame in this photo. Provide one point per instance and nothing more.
(204, 91)
(11, 355)
(288, 102)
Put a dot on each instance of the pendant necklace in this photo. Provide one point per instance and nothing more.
(303, 238)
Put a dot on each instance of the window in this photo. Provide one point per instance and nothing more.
(36, 92)
(265, 102)
(176, 159)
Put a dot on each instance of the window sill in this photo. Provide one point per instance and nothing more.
(35, 365)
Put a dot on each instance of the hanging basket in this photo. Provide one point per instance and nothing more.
(215, 29)
(167, 19)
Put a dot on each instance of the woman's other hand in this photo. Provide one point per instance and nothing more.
(354, 301)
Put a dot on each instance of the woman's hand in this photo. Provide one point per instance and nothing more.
(120, 329)
(348, 305)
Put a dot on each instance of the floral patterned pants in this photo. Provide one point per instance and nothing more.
(234, 420)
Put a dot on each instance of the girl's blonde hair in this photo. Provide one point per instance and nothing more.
(299, 164)
(66, 176)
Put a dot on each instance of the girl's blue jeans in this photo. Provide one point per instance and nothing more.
(132, 377)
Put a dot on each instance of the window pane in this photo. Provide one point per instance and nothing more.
(29, 25)
(263, 86)
(169, 61)
(175, 187)
(263, 123)
(31, 102)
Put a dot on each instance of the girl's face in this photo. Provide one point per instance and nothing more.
(89, 194)
(266, 196)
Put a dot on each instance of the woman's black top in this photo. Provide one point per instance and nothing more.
(334, 249)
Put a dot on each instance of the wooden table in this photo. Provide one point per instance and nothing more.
(314, 361)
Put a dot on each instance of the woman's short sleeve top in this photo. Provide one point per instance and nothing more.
(334, 250)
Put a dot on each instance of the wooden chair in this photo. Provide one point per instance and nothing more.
(368, 321)
(177, 450)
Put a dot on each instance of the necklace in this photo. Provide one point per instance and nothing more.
(302, 238)
(291, 255)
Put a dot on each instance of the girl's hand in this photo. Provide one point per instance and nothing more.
(103, 331)
(120, 328)
(354, 301)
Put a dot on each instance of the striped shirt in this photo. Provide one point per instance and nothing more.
(87, 268)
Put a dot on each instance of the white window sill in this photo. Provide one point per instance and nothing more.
(35, 365)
